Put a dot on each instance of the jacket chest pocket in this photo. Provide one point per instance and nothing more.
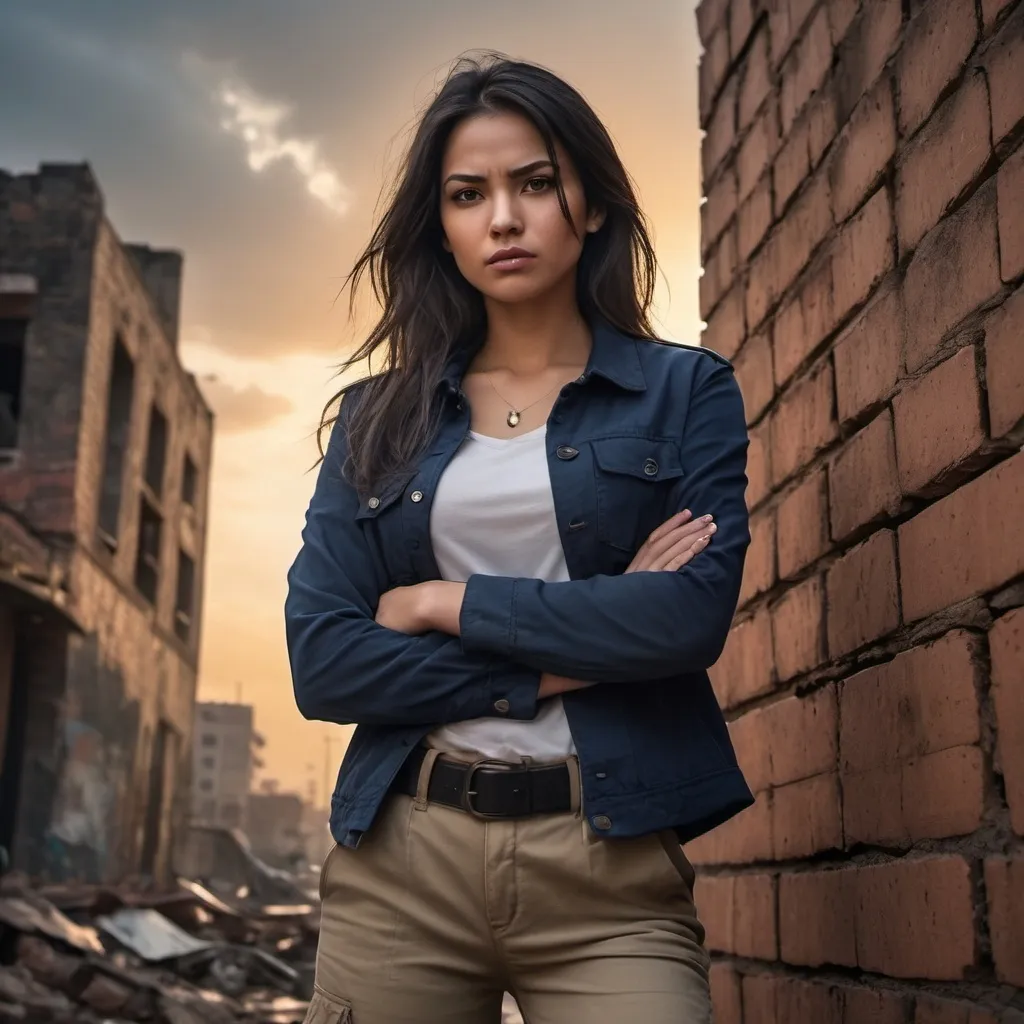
(381, 519)
(634, 481)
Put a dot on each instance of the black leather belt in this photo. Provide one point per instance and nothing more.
(490, 789)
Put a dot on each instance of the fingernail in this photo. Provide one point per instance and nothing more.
(707, 519)
(686, 513)
(712, 528)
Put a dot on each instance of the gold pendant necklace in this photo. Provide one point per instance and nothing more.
(514, 414)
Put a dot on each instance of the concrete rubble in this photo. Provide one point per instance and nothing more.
(201, 954)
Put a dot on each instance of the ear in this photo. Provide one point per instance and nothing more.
(595, 220)
(445, 244)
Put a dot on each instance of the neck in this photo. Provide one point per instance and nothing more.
(528, 338)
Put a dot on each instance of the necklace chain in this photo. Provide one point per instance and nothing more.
(514, 414)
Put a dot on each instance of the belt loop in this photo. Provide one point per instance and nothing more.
(423, 782)
(575, 786)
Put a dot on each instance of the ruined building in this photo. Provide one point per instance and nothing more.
(104, 464)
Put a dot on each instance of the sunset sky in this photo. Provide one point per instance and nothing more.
(255, 136)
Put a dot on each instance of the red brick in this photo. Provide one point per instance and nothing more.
(840, 17)
(872, 38)
(868, 1006)
(915, 918)
(991, 9)
(756, 83)
(759, 470)
(864, 150)
(930, 1010)
(759, 992)
(922, 701)
(961, 249)
(803, 423)
(715, 898)
(938, 422)
(822, 123)
(965, 544)
(759, 568)
(804, 226)
(719, 272)
(805, 322)
(817, 913)
(942, 161)
(805, 69)
(804, 735)
(1004, 365)
(798, 629)
(719, 208)
(785, 19)
(1006, 642)
(725, 994)
(753, 750)
(863, 485)
(1010, 187)
(741, 21)
(793, 164)
(754, 930)
(1002, 64)
(802, 526)
(755, 218)
(721, 130)
(754, 375)
(713, 67)
(935, 46)
(863, 253)
(761, 291)
(807, 1002)
(1004, 880)
(710, 14)
(726, 329)
(744, 839)
(744, 670)
(756, 150)
(807, 817)
(861, 594)
(931, 797)
(869, 355)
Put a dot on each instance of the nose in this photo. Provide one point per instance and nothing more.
(505, 216)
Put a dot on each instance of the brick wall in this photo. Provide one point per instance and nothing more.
(863, 245)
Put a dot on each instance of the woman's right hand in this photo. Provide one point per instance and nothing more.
(668, 548)
(674, 543)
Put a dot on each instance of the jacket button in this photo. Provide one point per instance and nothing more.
(502, 706)
(651, 467)
(416, 496)
(602, 822)
(564, 451)
(374, 503)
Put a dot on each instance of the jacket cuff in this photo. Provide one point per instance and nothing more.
(487, 618)
(514, 695)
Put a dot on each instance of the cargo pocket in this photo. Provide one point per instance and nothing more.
(325, 1009)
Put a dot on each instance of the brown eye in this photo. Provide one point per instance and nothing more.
(465, 195)
(538, 184)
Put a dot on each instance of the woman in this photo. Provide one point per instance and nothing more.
(502, 585)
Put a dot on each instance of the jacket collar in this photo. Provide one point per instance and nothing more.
(614, 356)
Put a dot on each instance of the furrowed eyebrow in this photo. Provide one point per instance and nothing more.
(518, 172)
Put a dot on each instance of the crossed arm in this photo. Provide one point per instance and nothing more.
(440, 653)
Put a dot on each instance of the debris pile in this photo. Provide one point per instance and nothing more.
(192, 956)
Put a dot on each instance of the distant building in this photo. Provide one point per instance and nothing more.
(105, 445)
(224, 760)
(277, 828)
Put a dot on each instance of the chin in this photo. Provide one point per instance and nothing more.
(516, 290)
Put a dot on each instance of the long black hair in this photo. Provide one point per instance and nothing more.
(429, 310)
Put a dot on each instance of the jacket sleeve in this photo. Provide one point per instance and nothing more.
(643, 625)
(348, 669)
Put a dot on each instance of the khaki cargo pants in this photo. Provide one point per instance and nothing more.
(438, 912)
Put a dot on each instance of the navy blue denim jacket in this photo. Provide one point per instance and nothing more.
(648, 429)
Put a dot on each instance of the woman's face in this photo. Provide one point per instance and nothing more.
(500, 212)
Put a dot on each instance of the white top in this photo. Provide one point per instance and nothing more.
(494, 514)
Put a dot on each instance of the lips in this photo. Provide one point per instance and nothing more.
(510, 257)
